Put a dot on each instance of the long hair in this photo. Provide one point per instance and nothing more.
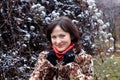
(66, 24)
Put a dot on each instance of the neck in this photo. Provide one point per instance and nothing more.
(60, 54)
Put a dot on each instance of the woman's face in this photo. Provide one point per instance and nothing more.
(60, 39)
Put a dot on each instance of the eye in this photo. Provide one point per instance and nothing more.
(61, 35)
(53, 37)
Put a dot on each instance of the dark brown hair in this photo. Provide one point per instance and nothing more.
(66, 24)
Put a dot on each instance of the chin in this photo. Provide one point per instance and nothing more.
(60, 50)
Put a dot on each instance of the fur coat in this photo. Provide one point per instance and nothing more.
(81, 68)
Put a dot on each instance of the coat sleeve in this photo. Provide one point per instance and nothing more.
(42, 69)
(85, 63)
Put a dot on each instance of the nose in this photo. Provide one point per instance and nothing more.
(58, 41)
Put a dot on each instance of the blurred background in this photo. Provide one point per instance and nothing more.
(111, 10)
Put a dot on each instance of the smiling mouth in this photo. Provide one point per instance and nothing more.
(60, 46)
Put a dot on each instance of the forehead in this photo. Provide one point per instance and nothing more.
(58, 30)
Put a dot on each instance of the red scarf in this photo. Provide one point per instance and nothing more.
(60, 55)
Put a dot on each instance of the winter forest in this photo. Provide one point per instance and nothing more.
(23, 25)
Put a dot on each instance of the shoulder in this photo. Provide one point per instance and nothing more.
(43, 54)
(42, 59)
(83, 57)
(84, 54)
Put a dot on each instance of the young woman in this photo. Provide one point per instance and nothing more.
(65, 60)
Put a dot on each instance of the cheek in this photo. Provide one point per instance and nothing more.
(68, 40)
(52, 41)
